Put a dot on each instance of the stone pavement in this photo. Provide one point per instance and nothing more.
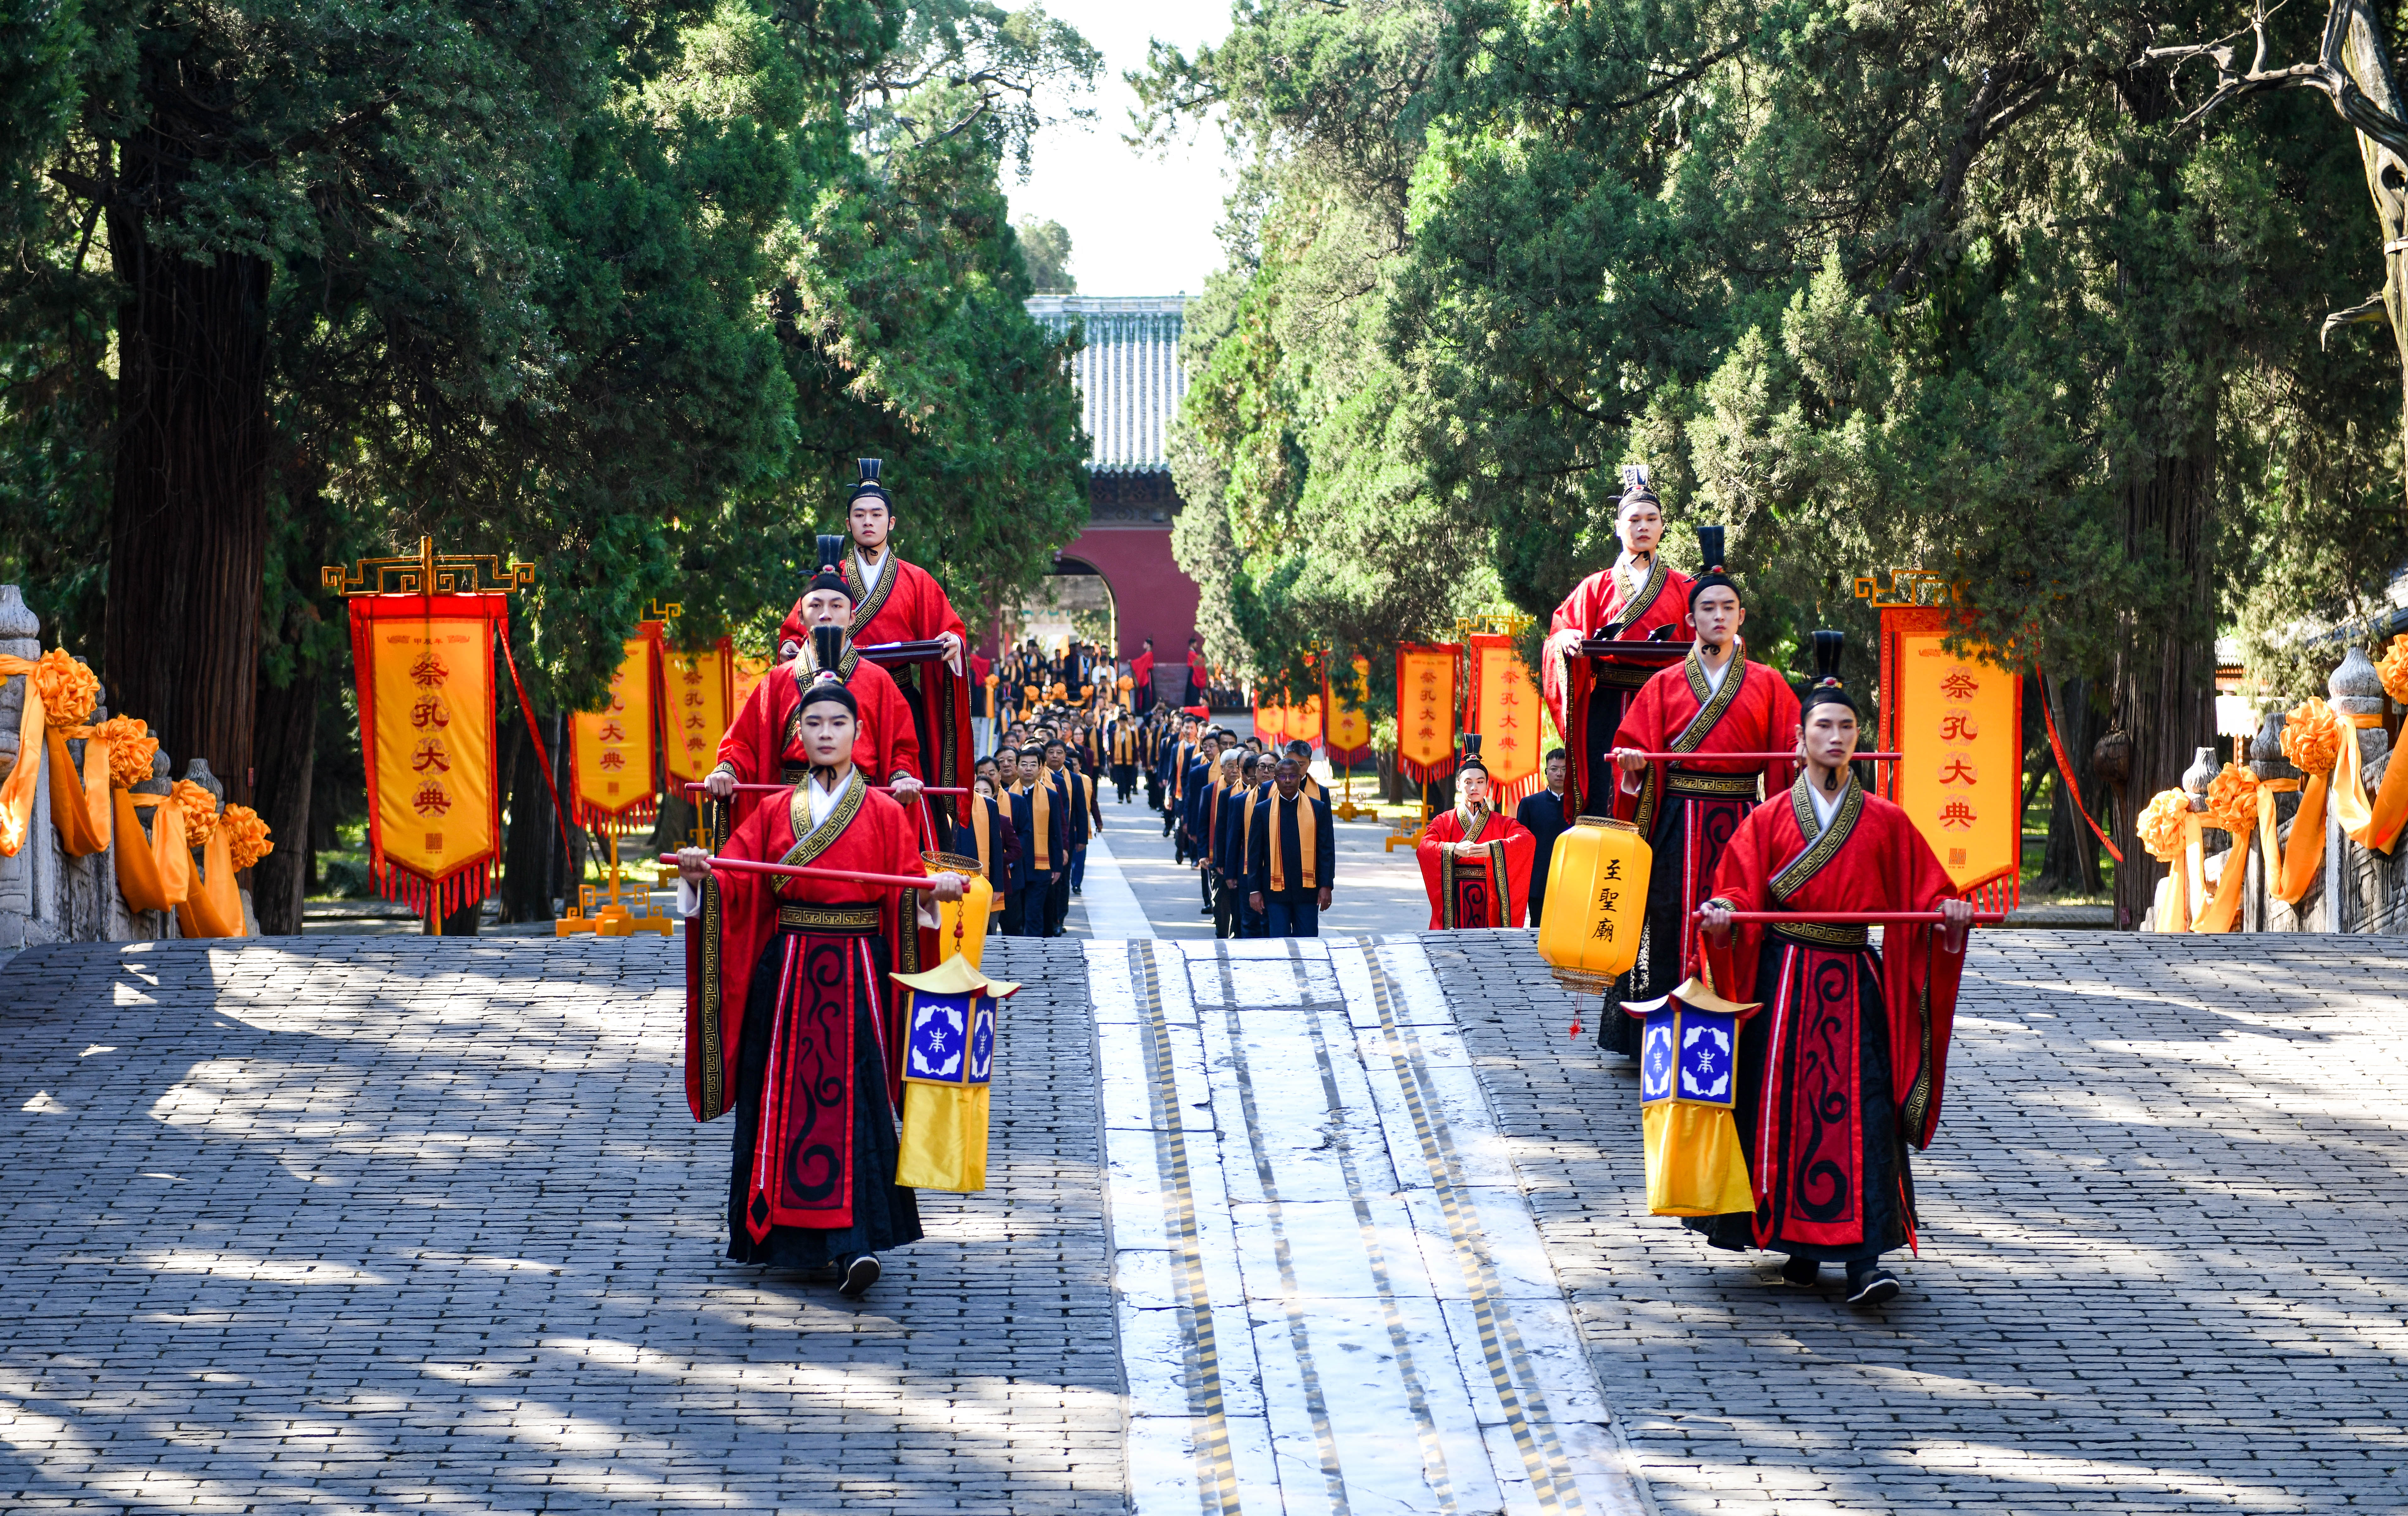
(368, 1224)
(361, 1224)
(2165, 1245)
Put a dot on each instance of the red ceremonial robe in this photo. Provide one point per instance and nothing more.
(905, 604)
(1490, 887)
(1688, 810)
(1842, 1066)
(787, 1025)
(1587, 695)
(763, 744)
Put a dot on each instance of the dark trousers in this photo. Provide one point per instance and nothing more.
(1224, 907)
(1204, 879)
(1057, 900)
(1294, 912)
(1035, 903)
(1079, 870)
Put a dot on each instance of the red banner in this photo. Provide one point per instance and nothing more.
(1426, 674)
(423, 667)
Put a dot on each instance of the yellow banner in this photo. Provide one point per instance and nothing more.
(1304, 719)
(1426, 709)
(749, 672)
(1349, 738)
(1270, 724)
(434, 753)
(1507, 710)
(613, 746)
(1961, 776)
(696, 710)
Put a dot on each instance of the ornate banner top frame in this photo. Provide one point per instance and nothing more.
(428, 573)
(1494, 624)
(1909, 588)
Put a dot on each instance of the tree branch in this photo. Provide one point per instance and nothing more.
(2370, 309)
(2327, 75)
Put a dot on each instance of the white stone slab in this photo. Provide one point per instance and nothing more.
(1112, 911)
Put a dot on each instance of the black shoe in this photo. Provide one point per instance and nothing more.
(1875, 1288)
(859, 1272)
(1805, 1273)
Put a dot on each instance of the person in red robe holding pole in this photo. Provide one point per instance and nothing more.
(762, 744)
(894, 601)
(1839, 1068)
(1712, 701)
(1639, 599)
(1475, 861)
(788, 1020)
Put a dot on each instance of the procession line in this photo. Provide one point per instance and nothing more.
(1216, 1474)
(1434, 1469)
(1500, 1343)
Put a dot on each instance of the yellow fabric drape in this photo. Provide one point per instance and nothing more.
(1694, 1163)
(214, 907)
(943, 1142)
(2306, 850)
(2348, 799)
(158, 877)
(2390, 807)
(79, 802)
(2222, 911)
(17, 790)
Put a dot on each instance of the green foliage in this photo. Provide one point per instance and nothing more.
(1046, 245)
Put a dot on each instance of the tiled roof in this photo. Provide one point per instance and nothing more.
(1128, 372)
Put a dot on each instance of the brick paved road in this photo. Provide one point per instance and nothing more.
(385, 1224)
(2165, 1250)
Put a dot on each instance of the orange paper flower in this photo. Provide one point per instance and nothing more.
(2233, 799)
(2312, 737)
(68, 689)
(246, 835)
(200, 809)
(130, 751)
(2394, 668)
(2162, 824)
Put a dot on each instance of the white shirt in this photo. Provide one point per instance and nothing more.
(1825, 808)
(871, 565)
(1714, 675)
(1633, 572)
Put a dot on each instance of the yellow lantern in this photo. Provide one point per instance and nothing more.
(1597, 896)
(962, 925)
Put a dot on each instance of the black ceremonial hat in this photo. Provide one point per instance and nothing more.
(869, 484)
(1827, 688)
(1636, 484)
(830, 574)
(1471, 754)
(1712, 568)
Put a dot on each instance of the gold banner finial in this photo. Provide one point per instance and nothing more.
(1908, 587)
(428, 573)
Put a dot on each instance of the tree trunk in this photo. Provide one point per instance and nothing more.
(2164, 692)
(188, 520)
(287, 749)
(531, 852)
(2367, 60)
(2070, 862)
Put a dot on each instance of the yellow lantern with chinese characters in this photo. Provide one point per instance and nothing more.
(962, 924)
(1596, 897)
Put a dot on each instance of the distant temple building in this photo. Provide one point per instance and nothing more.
(1131, 378)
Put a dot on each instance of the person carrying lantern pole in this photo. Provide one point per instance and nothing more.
(1840, 1064)
(787, 1013)
(1714, 700)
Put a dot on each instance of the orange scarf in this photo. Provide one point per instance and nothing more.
(1040, 814)
(1307, 842)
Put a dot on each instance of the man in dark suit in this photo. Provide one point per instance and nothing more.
(1542, 814)
(1291, 856)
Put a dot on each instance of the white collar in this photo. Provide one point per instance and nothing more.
(1826, 809)
(870, 567)
(821, 800)
(1714, 676)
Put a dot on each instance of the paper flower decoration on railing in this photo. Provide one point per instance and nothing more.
(2394, 670)
(130, 750)
(246, 835)
(2233, 799)
(200, 809)
(2162, 824)
(2312, 737)
(68, 689)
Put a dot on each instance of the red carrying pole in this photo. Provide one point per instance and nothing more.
(883, 789)
(1868, 918)
(892, 881)
(1760, 757)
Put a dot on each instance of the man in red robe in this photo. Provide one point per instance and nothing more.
(761, 745)
(1841, 1066)
(894, 601)
(1142, 679)
(1639, 599)
(788, 1020)
(1475, 861)
(1712, 701)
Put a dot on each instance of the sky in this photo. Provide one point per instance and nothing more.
(1138, 224)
